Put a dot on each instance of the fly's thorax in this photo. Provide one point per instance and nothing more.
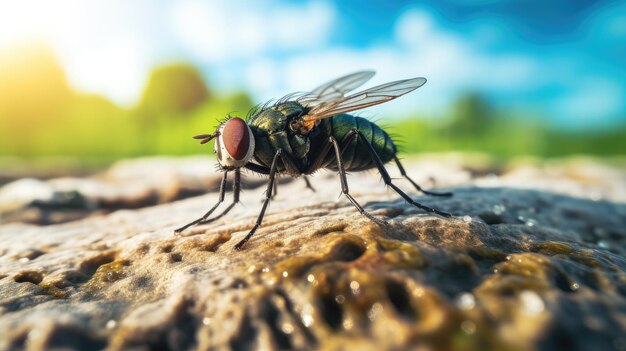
(271, 130)
(269, 121)
(235, 144)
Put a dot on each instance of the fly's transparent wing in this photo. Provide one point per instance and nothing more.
(336, 89)
(370, 97)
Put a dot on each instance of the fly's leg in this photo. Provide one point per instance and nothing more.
(344, 183)
(275, 190)
(257, 168)
(419, 188)
(308, 184)
(236, 191)
(268, 196)
(206, 215)
(387, 179)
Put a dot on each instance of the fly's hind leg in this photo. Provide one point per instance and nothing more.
(344, 183)
(268, 197)
(275, 189)
(206, 215)
(389, 183)
(419, 188)
(236, 191)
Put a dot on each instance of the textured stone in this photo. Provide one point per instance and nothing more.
(534, 260)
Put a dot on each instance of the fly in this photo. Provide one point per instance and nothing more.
(302, 133)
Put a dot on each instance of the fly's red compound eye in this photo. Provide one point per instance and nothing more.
(235, 144)
(236, 138)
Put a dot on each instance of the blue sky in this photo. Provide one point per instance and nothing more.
(561, 59)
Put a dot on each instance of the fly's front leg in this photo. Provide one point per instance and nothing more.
(236, 191)
(268, 196)
(387, 179)
(344, 183)
(308, 184)
(419, 188)
(206, 215)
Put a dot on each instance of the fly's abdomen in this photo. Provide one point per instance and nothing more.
(356, 154)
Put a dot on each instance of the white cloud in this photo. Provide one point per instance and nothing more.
(304, 27)
(110, 46)
(106, 47)
(419, 48)
(225, 31)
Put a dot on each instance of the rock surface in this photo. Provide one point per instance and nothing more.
(536, 259)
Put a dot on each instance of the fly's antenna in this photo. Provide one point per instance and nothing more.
(205, 138)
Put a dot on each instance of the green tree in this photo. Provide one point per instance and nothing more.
(471, 115)
(173, 90)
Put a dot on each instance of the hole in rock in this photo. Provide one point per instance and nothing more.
(347, 250)
(246, 337)
(28, 277)
(491, 218)
(271, 314)
(400, 299)
(73, 338)
(91, 265)
(330, 310)
(167, 248)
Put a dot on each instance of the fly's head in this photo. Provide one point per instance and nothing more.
(234, 143)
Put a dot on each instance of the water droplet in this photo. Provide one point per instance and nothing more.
(348, 324)
(307, 316)
(285, 274)
(521, 219)
(265, 270)
(508, 257)
(604, 244)
(466, 301)
(574, 286)
(287, 328)
(206, 320)
(310, 278)
(375, 311)
(499, 209)
(111, 324)
(531, 223)
(595, 196)
(467, 219)
(251, 268)
(340, 299)
(495, 270)
(354, 285)
(532, 304)
(23, 260)
(468, 327)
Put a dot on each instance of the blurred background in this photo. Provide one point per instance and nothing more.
(96, 81)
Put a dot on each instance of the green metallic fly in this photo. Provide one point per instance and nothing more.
(301, 133)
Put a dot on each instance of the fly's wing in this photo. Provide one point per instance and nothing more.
(370, 97)
(336, 89)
